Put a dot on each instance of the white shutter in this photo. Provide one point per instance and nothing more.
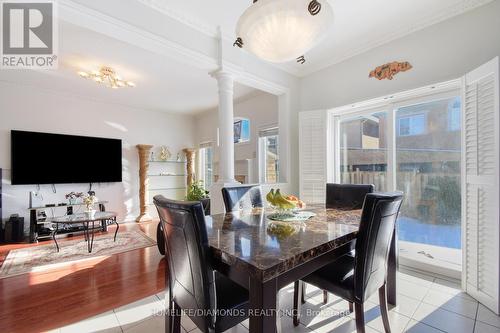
(480, 185)
(312, 151)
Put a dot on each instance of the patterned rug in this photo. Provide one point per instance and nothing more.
(38, 258)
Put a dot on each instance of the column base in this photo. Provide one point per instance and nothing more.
(216, 201)
(143, 218)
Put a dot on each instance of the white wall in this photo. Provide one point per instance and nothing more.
(441, 52)
(26, 108)
(261, 109)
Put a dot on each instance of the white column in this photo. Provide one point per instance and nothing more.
(226, 127)
(225, 83)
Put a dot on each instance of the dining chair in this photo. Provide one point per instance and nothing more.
(242, 197)
(357, 275)
(343, 196)
(194, 287)
(347, 196)
(160, 238)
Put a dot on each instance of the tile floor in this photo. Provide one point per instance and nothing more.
(426, 305)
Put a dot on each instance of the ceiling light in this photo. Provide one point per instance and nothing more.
(107, 76)
(283, 30)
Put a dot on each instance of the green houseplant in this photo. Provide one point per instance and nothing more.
(196, 192)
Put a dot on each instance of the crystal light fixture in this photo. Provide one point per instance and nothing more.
(107, 76)
(283, 30)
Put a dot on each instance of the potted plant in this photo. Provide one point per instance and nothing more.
(73, 197)
(90, 201)
(197, 192)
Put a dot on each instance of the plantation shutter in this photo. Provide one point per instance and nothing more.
(480, 185)
(312, 152)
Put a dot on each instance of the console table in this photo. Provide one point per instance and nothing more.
(85, 219)
(37, 231)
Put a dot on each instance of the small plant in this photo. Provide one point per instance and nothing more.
(89, 201)
(196, 192)
(74, 195)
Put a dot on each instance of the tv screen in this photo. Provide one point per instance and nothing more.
(44, 158)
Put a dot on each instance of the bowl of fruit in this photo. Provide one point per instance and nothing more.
(284, 205)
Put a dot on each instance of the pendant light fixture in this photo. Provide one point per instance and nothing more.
(283, 30)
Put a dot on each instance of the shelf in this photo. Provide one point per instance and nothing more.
(68, 205)
(166, 189)
(179, 162)
(166, 175)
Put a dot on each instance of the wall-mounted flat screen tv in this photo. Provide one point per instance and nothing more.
(45, 158)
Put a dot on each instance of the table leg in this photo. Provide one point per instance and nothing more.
(117, 227)
(264, 316)
(392, 270)
(91, 239)
(54, 236)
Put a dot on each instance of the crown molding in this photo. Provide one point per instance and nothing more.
(400, 32)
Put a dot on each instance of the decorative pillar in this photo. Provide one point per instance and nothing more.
(190, 165)
(225, 83)
(144, 151)
(226, 127)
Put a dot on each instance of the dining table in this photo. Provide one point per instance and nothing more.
(265, 256)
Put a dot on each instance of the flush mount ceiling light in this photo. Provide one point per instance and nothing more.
(283, 30)
(107, 76)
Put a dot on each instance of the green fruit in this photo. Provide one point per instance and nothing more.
(281, 202)
(270, 197)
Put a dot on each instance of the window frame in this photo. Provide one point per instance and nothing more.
(262, 153)
(243, 119)
(202, 162)
(410, 117)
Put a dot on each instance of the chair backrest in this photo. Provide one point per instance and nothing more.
(378, 220)
(349, 196)
(242, 197)
(191, 278)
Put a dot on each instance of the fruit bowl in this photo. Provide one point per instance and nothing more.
(284, 205)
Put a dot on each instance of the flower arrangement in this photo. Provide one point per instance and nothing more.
(90, 201)
(73, 196)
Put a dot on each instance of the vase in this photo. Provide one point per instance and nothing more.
(72, 201)
(90, 213)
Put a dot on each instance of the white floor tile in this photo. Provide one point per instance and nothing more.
(349, 326)
(418, 278)
(485, 315)
(397, 321)
(412, 290)
(187, 323)
(452, 303)
(442, 319)
(485, 328)
(449, 287)
(105, 322)
(406, 305)
(418, 327)
(151, 325)
(134, 313)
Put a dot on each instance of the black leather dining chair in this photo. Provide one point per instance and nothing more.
(343, 196)
(347, 196)
(242, 197)
(193, 285)
(357, 275)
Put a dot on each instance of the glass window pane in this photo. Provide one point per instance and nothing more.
(271, 163)
(428, 171)
(363, 150)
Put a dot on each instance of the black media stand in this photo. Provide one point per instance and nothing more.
(38, 230)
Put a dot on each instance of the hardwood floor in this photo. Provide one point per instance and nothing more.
(42, 301)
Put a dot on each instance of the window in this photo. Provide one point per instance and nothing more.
(269, 155)
(241, 130)
(454, 115)
(412, 125)
(206, 164)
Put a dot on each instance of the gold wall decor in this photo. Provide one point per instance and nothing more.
(390, 69)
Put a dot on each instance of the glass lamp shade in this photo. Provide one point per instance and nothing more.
(283, 30)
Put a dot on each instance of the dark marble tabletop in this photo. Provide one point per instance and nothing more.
(83, 217)
(244, 239)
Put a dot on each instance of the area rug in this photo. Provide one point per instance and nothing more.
(38, 258)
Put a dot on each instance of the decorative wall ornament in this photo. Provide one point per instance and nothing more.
(143, 151)
(390, 69)
(164, 153)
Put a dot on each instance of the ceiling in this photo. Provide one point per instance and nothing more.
(359, 25)
(162, 84)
